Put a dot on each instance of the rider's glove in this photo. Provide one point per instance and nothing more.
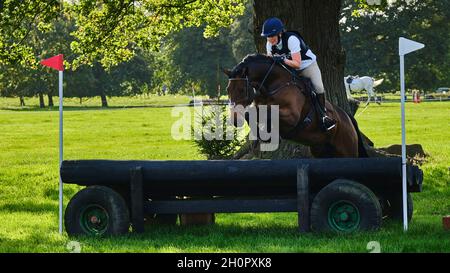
(278, 59)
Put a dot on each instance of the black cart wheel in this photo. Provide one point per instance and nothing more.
(345, 206)
(394, 207)
(97, 211)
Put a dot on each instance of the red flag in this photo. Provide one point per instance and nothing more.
(55, 62)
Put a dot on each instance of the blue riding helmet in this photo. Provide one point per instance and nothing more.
(271, 27)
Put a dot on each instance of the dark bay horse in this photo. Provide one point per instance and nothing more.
(257, 79)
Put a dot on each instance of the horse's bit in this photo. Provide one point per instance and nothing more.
(248, 85)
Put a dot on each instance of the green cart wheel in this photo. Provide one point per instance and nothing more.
(97, 211)
(345, 206)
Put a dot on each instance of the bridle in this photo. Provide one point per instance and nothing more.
(248, 86)
(250, 96)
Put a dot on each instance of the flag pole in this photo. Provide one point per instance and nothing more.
(402, 100)
(61, 155)
(57, 62)
(405, 46)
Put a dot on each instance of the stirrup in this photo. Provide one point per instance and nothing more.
(328, 127)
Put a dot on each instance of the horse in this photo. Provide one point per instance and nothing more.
(258, 80)
(355, 84)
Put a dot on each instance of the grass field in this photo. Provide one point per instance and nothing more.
(29, 181)
(32, 104)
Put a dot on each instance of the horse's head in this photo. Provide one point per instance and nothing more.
(258, 78)
(244, 81)
(245, 78)
(240, 91)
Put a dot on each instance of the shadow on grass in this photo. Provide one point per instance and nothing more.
(217, 238)
(30, 207)
(231, 237)
(53, 194)
(267, 237)
(34, 243)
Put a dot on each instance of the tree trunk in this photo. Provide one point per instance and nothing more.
(50, 100)
(41, 101)
(98, 72)
(318, 22)
(22, 101)
(104, 101)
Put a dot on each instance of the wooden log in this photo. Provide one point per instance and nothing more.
(238, 177)
(303, 198)
(189, 219)
(137, 199)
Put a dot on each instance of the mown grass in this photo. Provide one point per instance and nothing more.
(29, 182)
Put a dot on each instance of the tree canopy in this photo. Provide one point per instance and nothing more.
(135, 47)
(370, 39)
(109, 32)
(110, 51)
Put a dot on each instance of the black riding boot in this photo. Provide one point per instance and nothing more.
(327, 122)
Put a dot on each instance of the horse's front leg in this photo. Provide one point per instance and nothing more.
(288, 119)
(252, 118)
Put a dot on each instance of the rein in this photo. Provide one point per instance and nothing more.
(258, 92)
(301, 124)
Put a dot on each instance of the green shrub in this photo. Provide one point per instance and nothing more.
(215, 126)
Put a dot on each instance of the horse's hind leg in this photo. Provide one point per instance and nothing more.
(348, 151)
(370, 93)
(368, 97)
(345, 149)
(345, 141)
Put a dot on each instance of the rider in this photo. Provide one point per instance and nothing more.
(290, 49)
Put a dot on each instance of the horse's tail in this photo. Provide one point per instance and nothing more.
(361, 149)
(378, 82)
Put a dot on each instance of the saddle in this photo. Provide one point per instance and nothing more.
(309, 91)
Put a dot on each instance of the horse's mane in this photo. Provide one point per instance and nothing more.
(256, 57)
(250, 58)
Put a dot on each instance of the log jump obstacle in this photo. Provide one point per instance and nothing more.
(339, 194)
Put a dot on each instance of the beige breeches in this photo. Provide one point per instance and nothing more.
(313, 73)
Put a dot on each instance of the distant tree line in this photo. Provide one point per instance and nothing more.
(185, 62)
(370, 39)
(180, 58)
